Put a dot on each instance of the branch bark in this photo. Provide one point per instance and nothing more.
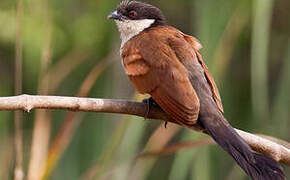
(26, 103)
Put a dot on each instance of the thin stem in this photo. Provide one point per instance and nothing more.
(18, 171)
(42, 124)
(259, 58)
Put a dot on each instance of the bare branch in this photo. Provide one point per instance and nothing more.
(28, 102)
(269, 148)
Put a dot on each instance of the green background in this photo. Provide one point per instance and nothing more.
(246, 45)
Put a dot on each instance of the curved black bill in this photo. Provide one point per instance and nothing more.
(115, 15)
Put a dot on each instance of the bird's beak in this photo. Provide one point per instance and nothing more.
(115, 15)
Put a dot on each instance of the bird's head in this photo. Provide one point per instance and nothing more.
(133, 17)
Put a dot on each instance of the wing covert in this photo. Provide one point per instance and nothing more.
(163, 77)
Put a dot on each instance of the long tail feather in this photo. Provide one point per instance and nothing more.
(257, 166)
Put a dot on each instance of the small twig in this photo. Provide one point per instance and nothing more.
(29, 102)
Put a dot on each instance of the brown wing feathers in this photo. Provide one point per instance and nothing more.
(161, 74)
(186, 115)
(157, 70)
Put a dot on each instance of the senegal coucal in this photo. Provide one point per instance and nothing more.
(165, 63)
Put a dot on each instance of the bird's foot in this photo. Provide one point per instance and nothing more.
(165, 124)
(149, 102)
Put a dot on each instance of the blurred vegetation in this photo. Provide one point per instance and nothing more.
(71, 49)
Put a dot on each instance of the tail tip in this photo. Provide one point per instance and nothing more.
(267, 169)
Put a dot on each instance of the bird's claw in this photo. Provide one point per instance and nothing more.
(165, 124)
(149, 102)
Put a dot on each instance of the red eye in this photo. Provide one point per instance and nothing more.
(132, 14)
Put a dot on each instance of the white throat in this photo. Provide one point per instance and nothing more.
(130, 28)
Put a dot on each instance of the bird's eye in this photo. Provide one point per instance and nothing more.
(132, 14)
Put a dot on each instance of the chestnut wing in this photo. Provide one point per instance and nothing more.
(160, 74)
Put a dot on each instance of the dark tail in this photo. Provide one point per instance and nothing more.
(257, 166)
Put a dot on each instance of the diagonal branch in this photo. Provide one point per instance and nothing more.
(28, 102)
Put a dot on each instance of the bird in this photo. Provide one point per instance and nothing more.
(165, 63)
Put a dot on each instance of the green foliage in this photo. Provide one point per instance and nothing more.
(246, 45)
